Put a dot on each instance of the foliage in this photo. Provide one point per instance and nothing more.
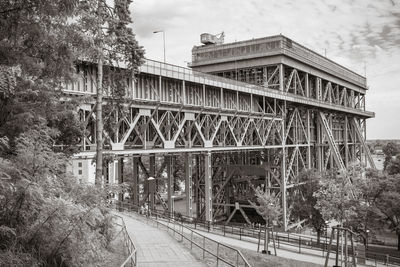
(387, 204)
(46, 218)
(393, 166)
(337, 197)
(268, 205)
(390, 150)
(114, 46)
(305, 201)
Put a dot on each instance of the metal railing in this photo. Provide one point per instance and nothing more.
(222, 253)
(299, 243)
(131, 260)
(178, 72)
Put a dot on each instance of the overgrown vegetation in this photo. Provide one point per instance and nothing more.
(46, 217)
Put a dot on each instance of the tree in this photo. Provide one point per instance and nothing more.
(366, 219)
(337, 197)
(113, 44)
(268, 205)
(46, 218)
(387, 204)
(390, 149)
(305, 201)
(393, 166)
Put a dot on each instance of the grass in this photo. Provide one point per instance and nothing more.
(258, 259)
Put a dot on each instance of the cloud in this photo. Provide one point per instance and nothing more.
(351, 33)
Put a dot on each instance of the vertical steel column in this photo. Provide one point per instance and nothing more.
(237, 100)
(159, 89)
(307, 86)
(320, 147)
(283, 171)
(135, 177)
(152, 183)
(309, 165)
(281, 77)
(188, 184)
(222, 98)
(170, 182)
(365, 138)
(197, 188)
(346, 142)
(120, 170)
(208, 186)
(184, 101)
(133, 86)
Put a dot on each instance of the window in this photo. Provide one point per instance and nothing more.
(80, 164)
(80, 172)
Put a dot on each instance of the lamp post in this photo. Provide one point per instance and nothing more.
(163, 32)
(148, 199)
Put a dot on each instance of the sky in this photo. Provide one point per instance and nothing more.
(362, 35)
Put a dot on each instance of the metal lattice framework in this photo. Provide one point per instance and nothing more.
(269, 124)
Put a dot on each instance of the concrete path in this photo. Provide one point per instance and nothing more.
(156, 247)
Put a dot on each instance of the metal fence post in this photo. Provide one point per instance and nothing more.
(299, 244)
(217, 253)
(204, 246)
(277, 238)
(191, 240)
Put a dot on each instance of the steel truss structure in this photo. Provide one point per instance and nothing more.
(265, 127)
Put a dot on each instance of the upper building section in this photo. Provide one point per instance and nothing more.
(207, 58)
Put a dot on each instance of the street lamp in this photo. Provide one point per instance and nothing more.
(148, 199)
(163, 39)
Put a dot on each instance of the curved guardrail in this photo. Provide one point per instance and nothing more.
(131, 260)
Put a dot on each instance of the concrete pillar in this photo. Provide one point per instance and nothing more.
(188, 184)
(208, 186)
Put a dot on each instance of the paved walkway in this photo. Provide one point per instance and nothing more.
(156, 247)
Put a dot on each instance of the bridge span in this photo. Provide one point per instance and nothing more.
(265, 110)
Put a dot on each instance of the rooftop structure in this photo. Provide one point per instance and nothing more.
(267, 48)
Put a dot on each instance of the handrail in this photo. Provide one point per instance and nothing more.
(289, 239)
(129, 244)
(239, 256)
(174, 71)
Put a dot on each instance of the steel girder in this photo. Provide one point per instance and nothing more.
(231, 136)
